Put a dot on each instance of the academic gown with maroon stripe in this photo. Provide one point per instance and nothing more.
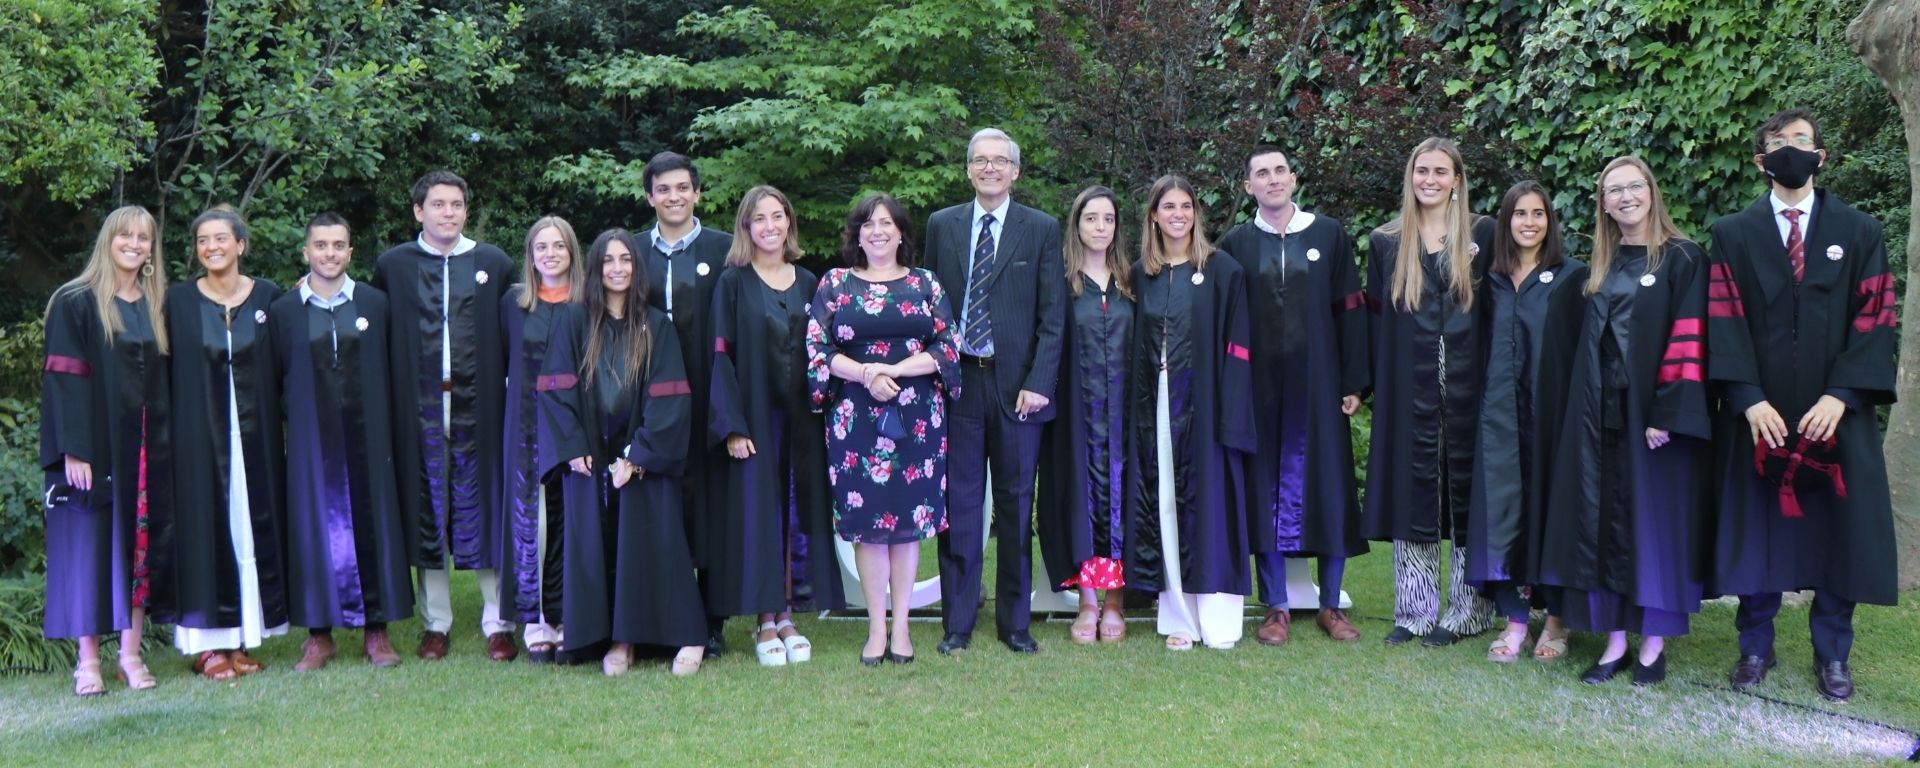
(1833, 334)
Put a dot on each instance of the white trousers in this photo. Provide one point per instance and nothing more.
(252, 629)
(1215, 619)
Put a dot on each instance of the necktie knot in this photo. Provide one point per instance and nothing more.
(1793, 214)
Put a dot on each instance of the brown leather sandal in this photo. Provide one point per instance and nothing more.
(213, 665)
(244, 664)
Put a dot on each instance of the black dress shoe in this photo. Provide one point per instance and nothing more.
(1440, 637)
(1400, 635)
(540, 657)
(1602, 671)
(1751, 671)
(874, 661)
(1021, 642)
(716, 644)
(954, 641)
(899, 658)
(1650, 674)
(1834, 680)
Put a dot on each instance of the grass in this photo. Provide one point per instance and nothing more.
(1132, 704)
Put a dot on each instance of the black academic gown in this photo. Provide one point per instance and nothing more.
(1202, 326)
(201, 585)
(696, 270)
(1081, 499)
(346, 546)
(457, 522)
(1305, 309)
(102, 400)
(1426, 399)
(1618, 517)
(771, 534)
(1833, 334)
(629, 573)
(528, 592)
(1497, 537)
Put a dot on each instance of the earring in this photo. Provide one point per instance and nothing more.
(1453, 194)
(146, 268)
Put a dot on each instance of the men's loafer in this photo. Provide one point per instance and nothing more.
(1751, 671)
(314, 654)
(1275, 629)
(1333, 621)
(380, 651)
(1834, 680)
(1020, 642)
(954, 641)
(500, 647)
(1602, 671)
(1400, 635)
(433, 645)
(1650, 674)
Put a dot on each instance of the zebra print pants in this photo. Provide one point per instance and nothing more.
(1416, 591)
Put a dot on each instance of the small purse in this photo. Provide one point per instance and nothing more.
(890, 425)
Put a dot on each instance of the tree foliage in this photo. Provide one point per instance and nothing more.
(73, 76)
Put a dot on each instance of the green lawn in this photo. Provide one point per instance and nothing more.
(1134, 704)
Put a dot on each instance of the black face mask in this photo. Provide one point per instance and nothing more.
(1791, 166)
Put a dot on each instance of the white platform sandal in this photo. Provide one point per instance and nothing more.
(771, 653)
(799, 649)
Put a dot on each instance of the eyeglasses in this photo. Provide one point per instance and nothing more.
(1800, 140)
(1619, 190)
(997, 163)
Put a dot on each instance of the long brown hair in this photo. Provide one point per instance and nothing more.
(1408, 279)
(100, 280)
(1153, 246)
(530, 276)
(741, 254)
(1606, 231)
(1506, 253)
(633, 359)
(1075, 252)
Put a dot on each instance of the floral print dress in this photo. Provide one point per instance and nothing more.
(886, 462)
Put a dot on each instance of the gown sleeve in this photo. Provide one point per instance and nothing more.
(1349, 320)
(66, 408)
(821, 386)
(945, 347)
(1375, 296)
(659, 441)
(726, 400)
(1236, 366)
(1731, 362)
(1680, 394)
(1865, 365)
(562, 417)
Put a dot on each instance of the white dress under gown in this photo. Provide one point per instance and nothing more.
(1213, 619)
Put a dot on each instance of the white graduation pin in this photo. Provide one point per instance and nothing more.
(1313, 254)
(1834, 252)
(1473, 248)
(1547, 276)
(1646, 281)
(360, 323)
(1199, 278)
(260, 316)
(480, 277)
(703, 269)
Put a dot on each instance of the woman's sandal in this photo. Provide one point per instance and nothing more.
(1113, 627)
(213, 665)
(1551, 647)
(1505, 649)
(86, 679)
(244, 664)
(771, 652)
(1084, 626)
(616, 662)
(1179, 643)
(799, 648)
(135, 674)
(687, 661)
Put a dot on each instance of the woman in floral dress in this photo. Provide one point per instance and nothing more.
(882, 362)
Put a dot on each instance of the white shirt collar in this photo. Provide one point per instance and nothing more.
(1299, 223)
(653, 236)
(460, 246)
(307, 296)
(1805, 206)
(999, 213)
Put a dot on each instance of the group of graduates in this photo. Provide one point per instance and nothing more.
(633, 442)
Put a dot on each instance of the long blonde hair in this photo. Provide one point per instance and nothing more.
(1074, 252)
(1606, 231)
(1409, 280)
(101, 280)
(741, 254)
(1153, 247)
(530, 276)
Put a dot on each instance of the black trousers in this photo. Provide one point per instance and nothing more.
(980, 435)
(1830, 620)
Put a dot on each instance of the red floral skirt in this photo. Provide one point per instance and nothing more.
(1098, 573)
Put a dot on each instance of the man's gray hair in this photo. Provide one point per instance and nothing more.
(1013, 147)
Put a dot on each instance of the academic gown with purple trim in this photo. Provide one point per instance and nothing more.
(528, 592)
(1081, 501)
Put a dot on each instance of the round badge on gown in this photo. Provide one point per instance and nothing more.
(1547, 276)
(1473, 248)
(260, 317)
(1834, 252)
(360, 323)
(1199, 278)
(703, 269)
(480, 277)
(1313, 254)
(1646, 281)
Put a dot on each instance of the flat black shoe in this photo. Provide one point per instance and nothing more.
(1834, 680)
(1751, 671)
(1400, 635)
(897, 658)
(1021, 642)
(1601, 672)
(541, 657)
(1440, 637)
(954, 641)
(716, 644)
(873, 661)
(1650, 674)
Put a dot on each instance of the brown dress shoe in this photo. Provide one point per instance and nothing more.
(1274, 630)
(380, 650)
(433, 645)
(1334, 622)
(500, 647)
(315, 654)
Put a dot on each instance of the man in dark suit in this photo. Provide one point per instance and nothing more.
(1000, 262)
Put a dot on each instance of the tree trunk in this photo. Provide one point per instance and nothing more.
(1886, 36)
